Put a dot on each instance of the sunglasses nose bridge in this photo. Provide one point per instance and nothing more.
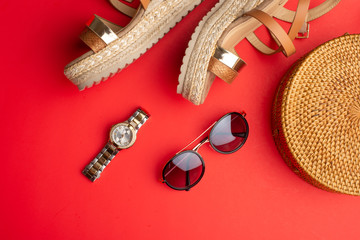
(205, 140)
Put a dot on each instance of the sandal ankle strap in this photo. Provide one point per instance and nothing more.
(99, 33)
(277, 32)
(225, 64)
(287, 15)
(228, 70)
(299, 20)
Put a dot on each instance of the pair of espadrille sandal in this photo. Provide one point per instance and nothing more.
(210, 52)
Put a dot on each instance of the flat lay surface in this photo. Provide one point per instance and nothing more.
(51, 131)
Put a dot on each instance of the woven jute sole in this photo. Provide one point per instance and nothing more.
(316, 116)
(216, 29)
(158, 19)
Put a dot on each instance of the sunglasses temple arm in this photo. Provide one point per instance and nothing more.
(197, 138)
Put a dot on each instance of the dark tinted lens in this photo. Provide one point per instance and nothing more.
(229, 133)
(184, 170)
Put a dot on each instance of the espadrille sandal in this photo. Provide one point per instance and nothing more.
(114, 47)
(211, 50)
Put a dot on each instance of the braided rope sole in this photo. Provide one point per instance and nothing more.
(159, 18)
(193, 77)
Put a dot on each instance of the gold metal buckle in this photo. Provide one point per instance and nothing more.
(304, 31)
(99, 26)
(228, 58)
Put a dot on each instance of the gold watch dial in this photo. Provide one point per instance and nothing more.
(122, 135)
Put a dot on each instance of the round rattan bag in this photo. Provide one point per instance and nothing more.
(316, 116)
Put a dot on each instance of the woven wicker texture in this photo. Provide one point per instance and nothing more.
(222, 71)
(92, 40)
(316, 116)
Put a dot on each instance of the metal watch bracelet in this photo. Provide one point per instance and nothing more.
(93, 170)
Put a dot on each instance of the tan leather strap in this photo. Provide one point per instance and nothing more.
(314, 13)
(127, 10)
(299, 18)
(299, 21)
(99, 32)
(145, 3)
(285, 43)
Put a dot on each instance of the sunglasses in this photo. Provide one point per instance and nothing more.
(187, 167)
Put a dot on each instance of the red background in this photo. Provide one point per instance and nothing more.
(50, 131)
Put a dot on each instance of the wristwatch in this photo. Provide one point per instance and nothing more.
(122, 136)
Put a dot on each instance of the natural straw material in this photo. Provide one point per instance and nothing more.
(316, 116)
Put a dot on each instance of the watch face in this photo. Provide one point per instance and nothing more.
(122, 136)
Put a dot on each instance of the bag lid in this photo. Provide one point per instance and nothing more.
(316, 116)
